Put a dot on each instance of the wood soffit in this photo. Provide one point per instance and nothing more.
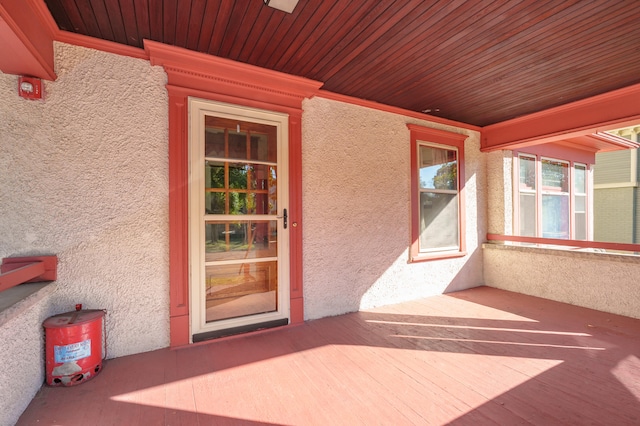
(494, 66)
(470, 61)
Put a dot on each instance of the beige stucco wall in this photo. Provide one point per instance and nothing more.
(500, 192)
(356, 198)
(21, 353)
(599, 281)
(84, 176)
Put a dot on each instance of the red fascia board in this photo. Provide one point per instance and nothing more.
(101, 45)
(603, 112)
(615, 142)
(27, 40)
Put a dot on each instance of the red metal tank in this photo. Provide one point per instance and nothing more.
(74, 347)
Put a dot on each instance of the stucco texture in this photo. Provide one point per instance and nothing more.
(598, 281)
(84, 176)
(500, 192)
(356, 211)
(21, 358)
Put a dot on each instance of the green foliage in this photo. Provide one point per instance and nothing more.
(446, 176)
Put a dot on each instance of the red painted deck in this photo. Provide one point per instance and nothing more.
(477, 357)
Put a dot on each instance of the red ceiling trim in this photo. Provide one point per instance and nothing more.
(394, 110)
(99, 44)
(608, 111)
(200, 71)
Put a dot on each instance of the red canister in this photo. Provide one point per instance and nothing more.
(74, 347)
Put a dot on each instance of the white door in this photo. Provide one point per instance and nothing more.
(239, 242)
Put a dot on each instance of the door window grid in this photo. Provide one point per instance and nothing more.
(245, 185)
(238, 246)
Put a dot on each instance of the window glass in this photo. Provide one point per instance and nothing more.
(528, 214)
(438, 174)
(555, 175)
(580, 202)
(438, 220)
(555, 216)
(580, 185)
(438, 168)
(527, 173)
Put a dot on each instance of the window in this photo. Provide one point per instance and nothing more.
(437, 198)
(552, 198)
(580, 202)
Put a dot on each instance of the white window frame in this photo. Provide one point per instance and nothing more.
(539, 191)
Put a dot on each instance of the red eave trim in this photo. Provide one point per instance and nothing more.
(394, 110)
(603, 112)
(27, 39)
(615, 141)
(99, 44)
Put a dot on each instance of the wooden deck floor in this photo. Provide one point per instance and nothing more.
(477, 357)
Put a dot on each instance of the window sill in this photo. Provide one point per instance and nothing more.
(436, 256)
(570, 252)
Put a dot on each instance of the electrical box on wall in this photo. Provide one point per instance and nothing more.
(30, 87)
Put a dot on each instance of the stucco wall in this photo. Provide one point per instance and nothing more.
(593, 280)
(84, 176)
(356, 211)
(500, 192)
(21, 354)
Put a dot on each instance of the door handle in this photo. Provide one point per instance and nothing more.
(285, 217)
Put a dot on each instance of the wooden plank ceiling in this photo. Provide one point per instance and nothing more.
(474, 61)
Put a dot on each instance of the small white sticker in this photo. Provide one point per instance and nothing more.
(72, 352)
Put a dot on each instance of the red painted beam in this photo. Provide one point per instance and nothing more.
(19, 270)
(611, 110)
(27, 40)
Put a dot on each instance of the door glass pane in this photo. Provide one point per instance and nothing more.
(237, 145)
(438, 168)
(238, 290)
(263, 146)
(241, 255)
(215, 202)
(555, 216)
(214, 174)
(438, 220)
(214, 145)
(240, 240)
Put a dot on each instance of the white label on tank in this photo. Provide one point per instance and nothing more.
(72, 352)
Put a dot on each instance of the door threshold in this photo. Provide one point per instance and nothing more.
(210, 335)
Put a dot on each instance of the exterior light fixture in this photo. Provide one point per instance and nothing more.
(283, 5)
